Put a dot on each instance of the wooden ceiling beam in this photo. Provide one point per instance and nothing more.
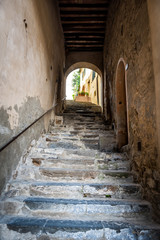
(83, 1)
(97, 49)
(83, 22)
(83, 9)
(84, 27)
(82, 45)
(84, 35)
(92, 38)
(79, 31)
(82, 15)
(84, 41)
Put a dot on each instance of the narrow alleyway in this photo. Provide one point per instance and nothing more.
(73, 185)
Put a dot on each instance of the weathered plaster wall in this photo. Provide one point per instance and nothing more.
(128, 37)
(31, 64)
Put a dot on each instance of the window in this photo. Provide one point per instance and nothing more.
(93, 75)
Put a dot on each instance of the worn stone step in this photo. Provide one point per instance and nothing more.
(86, 154)
(75, 118)
(113, 165)
(73, 190)
(64, 145)
(82, 123)
(75, 208)
(78, 130)
(103, 208)
(63, 163)
(78, 175)
(77, 114)
(66, 174)
(82, 174)
(77, 229)
(64, 138)
(70, 138)
(77, 153)
(83, 163)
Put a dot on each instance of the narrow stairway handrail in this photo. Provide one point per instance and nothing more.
(26, 128)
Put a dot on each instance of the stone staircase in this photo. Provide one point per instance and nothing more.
(73, 185)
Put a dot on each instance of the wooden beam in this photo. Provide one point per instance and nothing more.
(71, 22)
(85, 41)
(83, 9)
(84, 35)
(92, 38)
(83, 45)
(79, 31)
(82, 15)
(84, 1)
(85, 49)
(82, 41)
(83, 27)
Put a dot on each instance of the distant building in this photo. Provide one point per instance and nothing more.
(90, 82)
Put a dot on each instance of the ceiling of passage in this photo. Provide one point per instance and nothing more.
(83, 23)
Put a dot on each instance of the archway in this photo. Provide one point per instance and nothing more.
(121, 105)
(93, 67)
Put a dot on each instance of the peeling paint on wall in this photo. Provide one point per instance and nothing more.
(13, 118)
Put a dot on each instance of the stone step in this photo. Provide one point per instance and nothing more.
(83, 174)
(58, 152)
(82, 127)
(76, 229)
(51, 153)
(90, 109)
(85, 123)
(79, 130)
(83, 163)
(63, 163)
(75, 208)
(71, 138)
(79, 175)
(78, 118)
(73, 190)
(85, 154)
(78, 114)
(90, 207)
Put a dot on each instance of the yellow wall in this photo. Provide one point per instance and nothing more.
(93, 87)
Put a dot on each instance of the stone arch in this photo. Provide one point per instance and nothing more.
(86, 65)
(82, 65)
(121, 104)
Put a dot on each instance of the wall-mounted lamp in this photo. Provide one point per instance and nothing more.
(126, 67)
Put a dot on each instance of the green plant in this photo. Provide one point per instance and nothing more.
(82, 93)
(108, 196)
(76, 82)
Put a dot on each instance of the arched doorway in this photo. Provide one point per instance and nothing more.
(121, 105)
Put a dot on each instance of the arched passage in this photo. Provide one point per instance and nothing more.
(90, 66)
(82, 65)
(121, 105)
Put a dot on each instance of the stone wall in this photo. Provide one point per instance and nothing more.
(31, 64)
(128, 37)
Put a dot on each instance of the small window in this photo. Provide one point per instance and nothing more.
(93, 75)
(94, 93)
(84, 73)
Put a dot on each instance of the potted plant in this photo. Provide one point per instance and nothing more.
(82, 93)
